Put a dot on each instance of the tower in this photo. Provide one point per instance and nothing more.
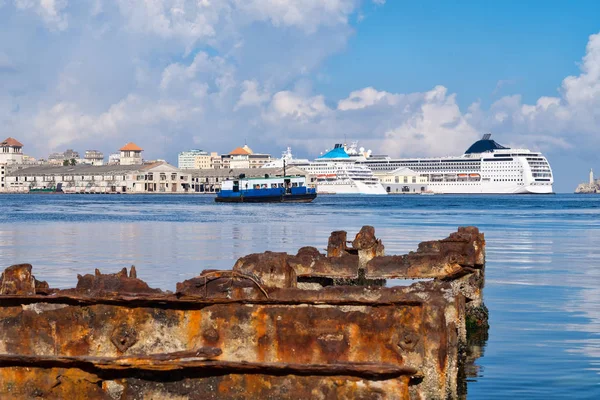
(591, 176)
(131, 154)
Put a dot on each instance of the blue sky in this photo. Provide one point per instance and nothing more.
(468, 46)
(407, 78)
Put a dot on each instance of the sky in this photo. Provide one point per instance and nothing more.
(403, 78)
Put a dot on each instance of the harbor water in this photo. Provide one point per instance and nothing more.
(542, 266)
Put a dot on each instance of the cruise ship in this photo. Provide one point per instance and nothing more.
(337, 172)
(486, 167)
(289, 160)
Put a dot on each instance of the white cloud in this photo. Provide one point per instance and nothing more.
(432, 126)
(49, 10)
(251, 95)
(65, 123)
(584, 89)
(145, 79)
(304, 14)
(366, 98)
(289, 105)
(184, 19)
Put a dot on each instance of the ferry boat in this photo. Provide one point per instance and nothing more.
(285, 189)
(486, 167)
(337, 172)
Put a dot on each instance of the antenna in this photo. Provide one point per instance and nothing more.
(487, 136)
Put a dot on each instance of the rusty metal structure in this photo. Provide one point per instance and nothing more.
(276, 326)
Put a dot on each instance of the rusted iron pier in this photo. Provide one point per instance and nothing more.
(276, 326)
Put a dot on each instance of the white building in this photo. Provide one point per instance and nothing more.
(402, 180)
(196, 159)
(244, 157)
(93, 157)
(114, 159)
(187, 159)
(153, 178)
(131, 154)
(11, 151)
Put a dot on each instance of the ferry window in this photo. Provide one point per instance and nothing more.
(280, 185)
(257, 186)
(295, 184)
(264, 186)
(273, 185)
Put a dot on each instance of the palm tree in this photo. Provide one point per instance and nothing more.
(73, 162)
(65, 163)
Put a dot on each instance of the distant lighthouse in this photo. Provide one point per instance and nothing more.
(591, 176)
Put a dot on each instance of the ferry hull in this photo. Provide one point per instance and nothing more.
(295, 198)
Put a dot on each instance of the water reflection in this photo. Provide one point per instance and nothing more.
(541, 280)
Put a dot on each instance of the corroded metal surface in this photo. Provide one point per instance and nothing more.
(275, 326)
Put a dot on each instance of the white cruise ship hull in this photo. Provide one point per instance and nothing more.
(482, 188)
(485, 168)
(350, 188)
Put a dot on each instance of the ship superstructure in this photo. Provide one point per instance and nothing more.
(337, 172)
(289, 160)
(486, 167)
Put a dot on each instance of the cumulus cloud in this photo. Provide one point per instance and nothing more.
(251, 95)
(366, 98)
(171, 74)
(303, 14)
(51, 11)
(433, 125)
(65, 123)
(289, 105)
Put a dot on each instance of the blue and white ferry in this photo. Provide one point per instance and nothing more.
(282, 189)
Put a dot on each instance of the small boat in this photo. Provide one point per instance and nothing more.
(283, 189)
(427, 193)
(43, 190)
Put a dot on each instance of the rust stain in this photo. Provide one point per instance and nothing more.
(276, 326)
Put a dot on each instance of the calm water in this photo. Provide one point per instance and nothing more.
(543, 261)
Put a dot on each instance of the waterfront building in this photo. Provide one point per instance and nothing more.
(402, 180)
(67, 155)
(244, 157)
(159, 177)
(131, 154)
(196, 159)
(56, 159)
(187, 159)
(93, 157)
(71, 154)
(11, 151)
(114, 159)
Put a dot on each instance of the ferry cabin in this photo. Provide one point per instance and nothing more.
(248, 185)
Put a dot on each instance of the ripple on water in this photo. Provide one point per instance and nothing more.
(542, 271)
